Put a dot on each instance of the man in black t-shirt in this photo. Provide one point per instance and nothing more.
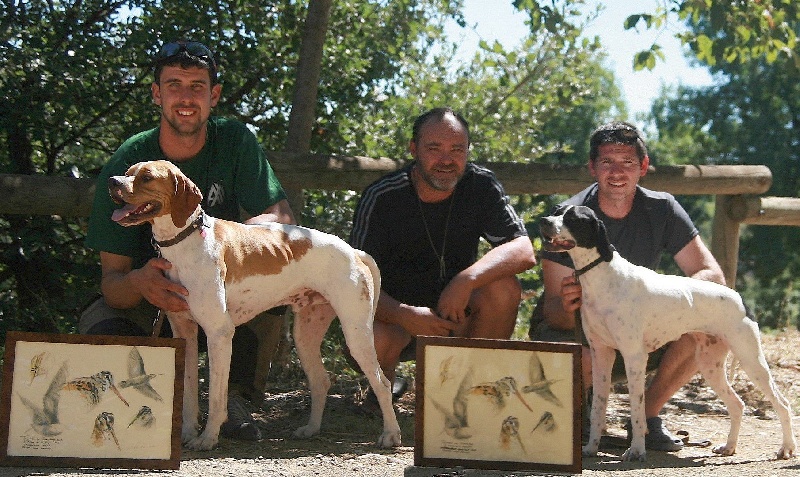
(641, 224)
(422, 224)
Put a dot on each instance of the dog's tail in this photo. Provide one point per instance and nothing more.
(376, 277)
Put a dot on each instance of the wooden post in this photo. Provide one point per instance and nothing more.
(725, 239)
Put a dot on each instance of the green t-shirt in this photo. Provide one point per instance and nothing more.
(231, 171)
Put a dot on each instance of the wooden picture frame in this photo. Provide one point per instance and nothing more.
(469, 415)
(91, 401)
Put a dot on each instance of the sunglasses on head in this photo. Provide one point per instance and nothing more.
(621, 135)
(192, 48)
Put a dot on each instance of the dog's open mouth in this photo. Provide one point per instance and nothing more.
(132, 214)
(554, 244)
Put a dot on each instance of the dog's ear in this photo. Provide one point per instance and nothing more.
(187, 198)
(604, 247)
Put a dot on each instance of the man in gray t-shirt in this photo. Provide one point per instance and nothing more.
(641, 225)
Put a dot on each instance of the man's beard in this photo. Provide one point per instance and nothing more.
(439, 184)
(183, 129)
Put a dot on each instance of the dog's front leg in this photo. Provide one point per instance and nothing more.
(220, 344)
(635, 370)
(184, 327)
(602, 362)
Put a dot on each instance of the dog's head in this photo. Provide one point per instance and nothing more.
(152, 189)
(575, 226)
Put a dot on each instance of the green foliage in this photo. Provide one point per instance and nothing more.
(78, 85)
(729, 32)
(748, 119)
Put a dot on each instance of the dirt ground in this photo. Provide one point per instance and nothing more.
(346, 445)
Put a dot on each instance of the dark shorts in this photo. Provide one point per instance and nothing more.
(541, 331)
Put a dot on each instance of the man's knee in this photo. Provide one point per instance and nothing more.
(501, 298)
(100, 319)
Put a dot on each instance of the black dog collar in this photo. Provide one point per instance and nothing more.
(198, 223)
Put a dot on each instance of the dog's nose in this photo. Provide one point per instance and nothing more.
(114, 181)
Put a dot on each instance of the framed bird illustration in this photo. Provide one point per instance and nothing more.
(497, 404)
(91, 401)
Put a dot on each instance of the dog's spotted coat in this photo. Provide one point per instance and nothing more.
(636, 310)
(235, 271)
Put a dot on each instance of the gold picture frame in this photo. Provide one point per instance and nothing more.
(498, 404)
(91, 401)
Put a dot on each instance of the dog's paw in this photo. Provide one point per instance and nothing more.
(389, 439)
(589, 450)
(785, 453)
(725, 450)
(188, 435)
(202, 442)
(306, 431)
(633, 455)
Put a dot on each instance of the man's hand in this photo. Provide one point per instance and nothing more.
(454, 300)
(156, 288)
(571, 293)
(424, 321)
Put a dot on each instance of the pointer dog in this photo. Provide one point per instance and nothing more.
(636, 310)
(235, 271)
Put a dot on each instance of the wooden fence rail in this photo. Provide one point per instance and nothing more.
(735, 188)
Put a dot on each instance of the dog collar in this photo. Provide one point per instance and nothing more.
(585, 269)
(198, 222)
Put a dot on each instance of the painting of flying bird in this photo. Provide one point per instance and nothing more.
(45, 416)
(498, 404)
(455, 419)
(539, 384)
(91, 401)
(138, 379)
(37, 366)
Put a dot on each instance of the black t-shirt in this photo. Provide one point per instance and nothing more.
(657, 223)
(405, 235)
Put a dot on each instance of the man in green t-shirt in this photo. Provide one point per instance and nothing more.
(224, 159)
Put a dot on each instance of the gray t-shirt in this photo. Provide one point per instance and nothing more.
(657, 223)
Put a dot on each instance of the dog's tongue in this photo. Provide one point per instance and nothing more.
(123, 212)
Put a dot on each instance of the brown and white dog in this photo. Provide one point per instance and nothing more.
(636, 311)
(235, 271)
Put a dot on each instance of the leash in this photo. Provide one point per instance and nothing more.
(157, 323)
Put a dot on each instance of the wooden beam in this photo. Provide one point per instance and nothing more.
(46, 195)
(51, 195)
(765, 210)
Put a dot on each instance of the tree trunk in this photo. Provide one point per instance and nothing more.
(301, 119)
(304, 101)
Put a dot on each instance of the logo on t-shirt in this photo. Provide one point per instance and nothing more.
(216, 195)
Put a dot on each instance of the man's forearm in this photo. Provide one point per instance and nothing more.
(118, 290)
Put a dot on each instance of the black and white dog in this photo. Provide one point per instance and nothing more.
(636, 310)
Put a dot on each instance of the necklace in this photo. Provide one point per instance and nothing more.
(439, 257)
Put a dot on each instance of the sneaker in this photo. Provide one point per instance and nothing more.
(399, 387)
(240, 424)
(658, 437)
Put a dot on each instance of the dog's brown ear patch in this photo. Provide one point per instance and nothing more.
(262, 251)
(187, 198)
